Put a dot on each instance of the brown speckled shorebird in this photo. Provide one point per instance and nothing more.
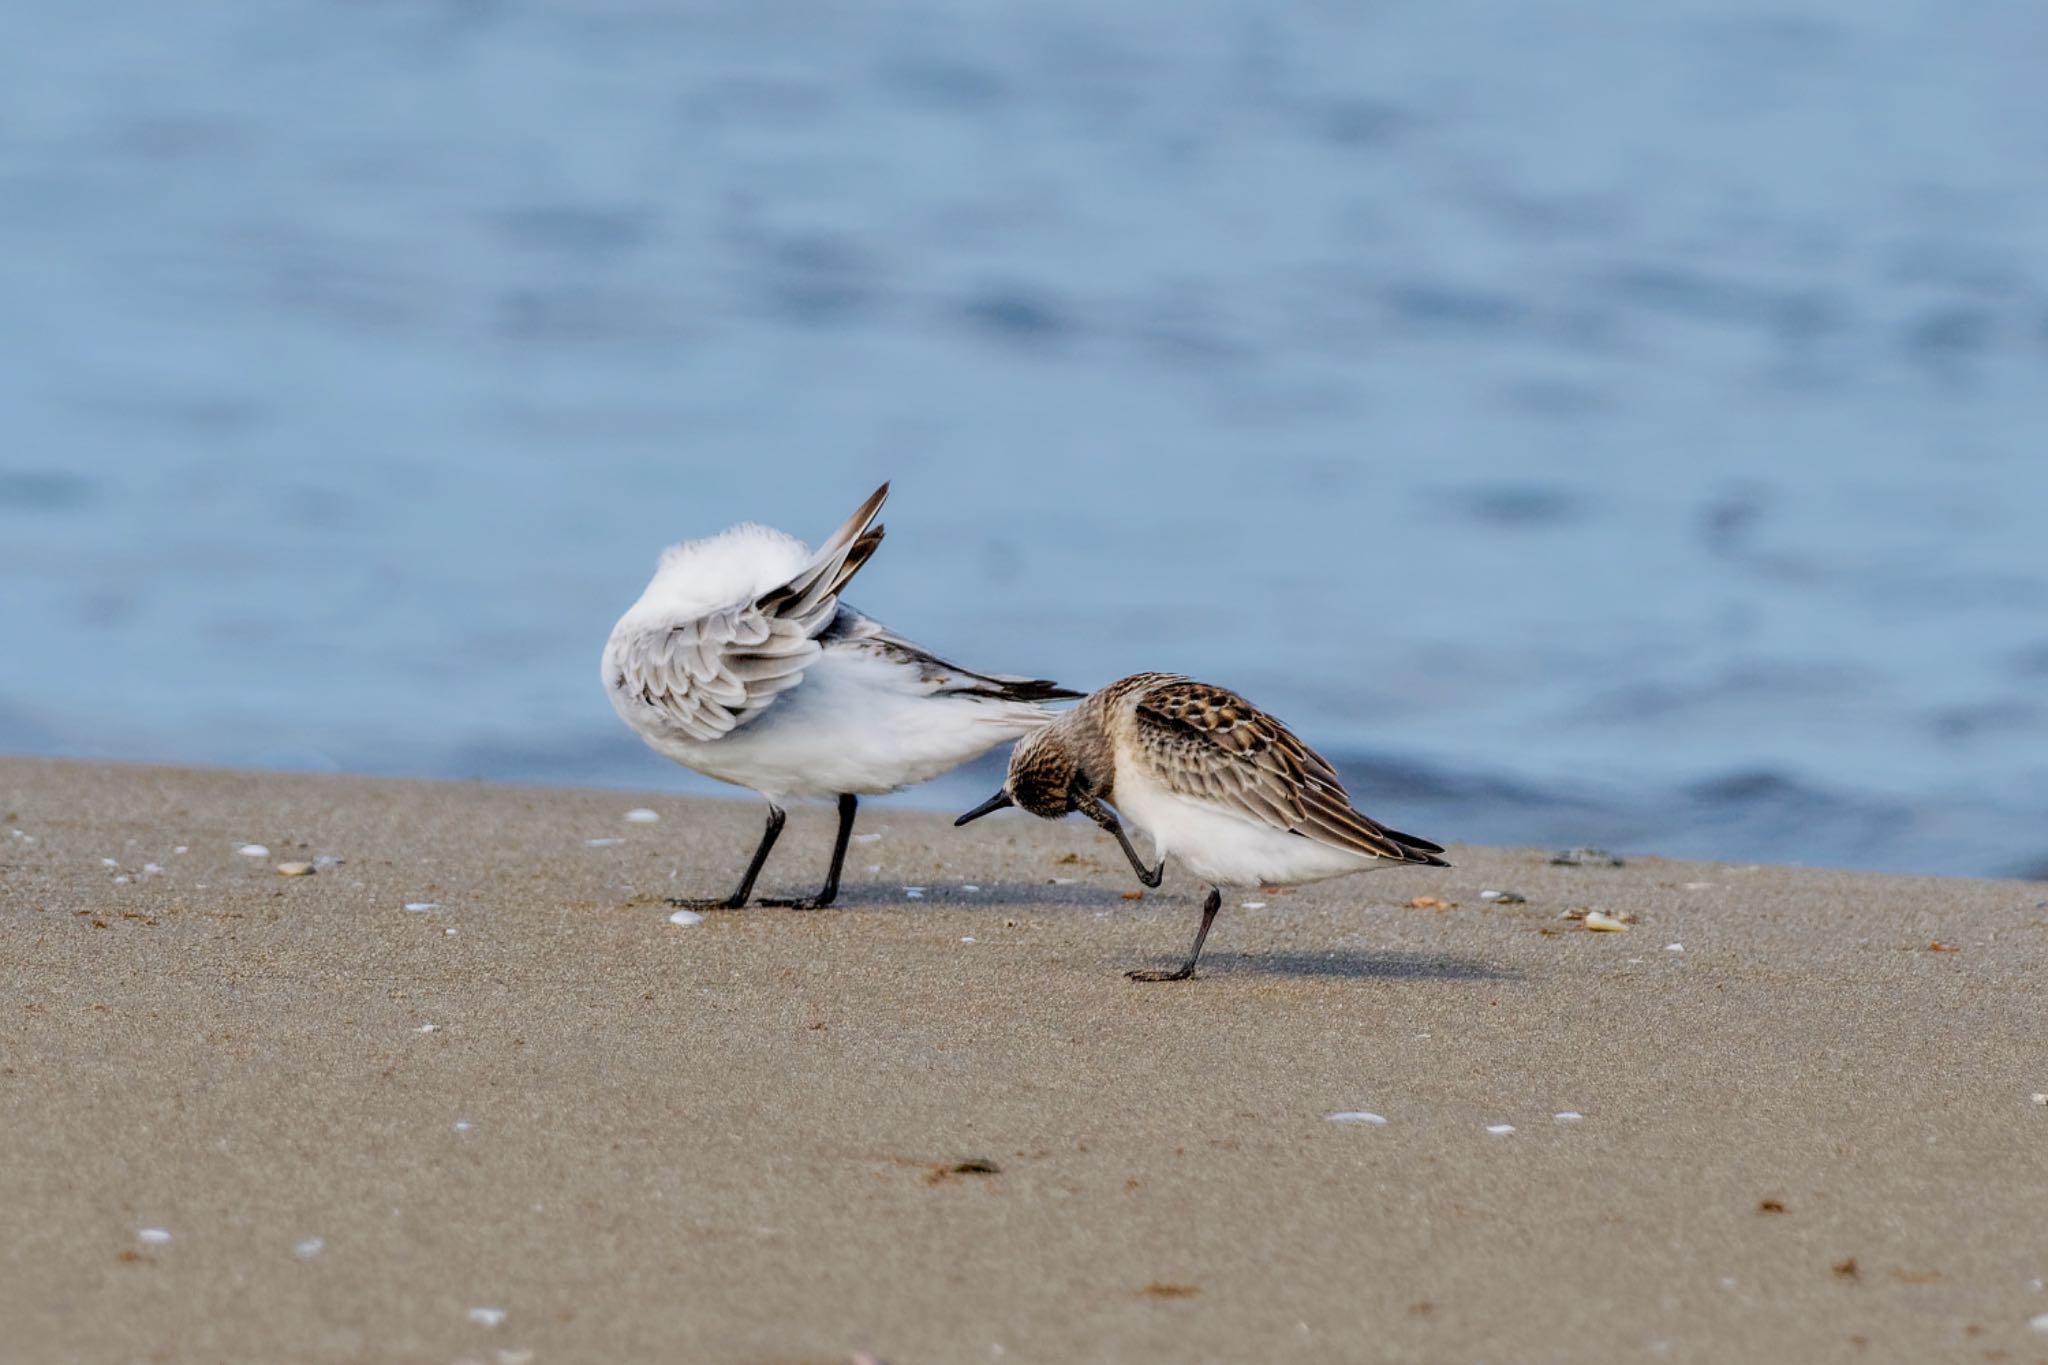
(1217, 784)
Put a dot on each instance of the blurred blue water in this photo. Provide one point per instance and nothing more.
(1619, 425)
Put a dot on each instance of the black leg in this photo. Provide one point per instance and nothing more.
(746, 888)
(848, 804)
(1095, 811)
(1187, 969)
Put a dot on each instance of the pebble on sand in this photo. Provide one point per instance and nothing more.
(1504, 897)
(294, 869)
(640, 815)
(1356, 1116)
(253, 851)
(686, 917)
(153, 1236)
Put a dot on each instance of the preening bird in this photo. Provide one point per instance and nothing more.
(740, 661)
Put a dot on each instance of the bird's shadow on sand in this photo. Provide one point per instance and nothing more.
(1355, 963)
(987, 895)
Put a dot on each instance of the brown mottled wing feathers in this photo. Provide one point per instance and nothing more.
(1209, 743)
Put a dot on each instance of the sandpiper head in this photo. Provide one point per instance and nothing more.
(1045, 779)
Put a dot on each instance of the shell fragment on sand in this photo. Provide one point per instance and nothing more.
(640, 815)
(686, 917)
(253, 851)
(1357, 1116)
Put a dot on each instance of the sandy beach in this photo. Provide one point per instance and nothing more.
(251, 1117)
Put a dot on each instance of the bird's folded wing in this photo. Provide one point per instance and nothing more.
(1211, 744)
(714, 673)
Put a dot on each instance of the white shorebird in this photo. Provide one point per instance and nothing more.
(1217, 783)
(740, 661)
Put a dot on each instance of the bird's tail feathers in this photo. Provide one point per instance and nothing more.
(836, 561)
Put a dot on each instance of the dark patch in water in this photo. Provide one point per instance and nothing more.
(1945, 338)
(1726, 522)
(1360, 123)
(2031, 662)
(45, 490)
(946, 84)
(1524, 505)
(1957, 724)
(1795, 315)
(820, 279)
(577, 231)
(1448, 306)
(1017, 314)
(1747, 788)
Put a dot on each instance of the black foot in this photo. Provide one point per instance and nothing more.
(794, 902)
(1184, 974)
(705, 903)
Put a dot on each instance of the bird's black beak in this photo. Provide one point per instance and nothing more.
(997, 802)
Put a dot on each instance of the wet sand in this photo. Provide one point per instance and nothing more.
(945, 1128)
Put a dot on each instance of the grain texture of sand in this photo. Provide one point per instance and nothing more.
(463, 1092)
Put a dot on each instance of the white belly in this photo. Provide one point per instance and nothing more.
(850, 726)
(1220, 846)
